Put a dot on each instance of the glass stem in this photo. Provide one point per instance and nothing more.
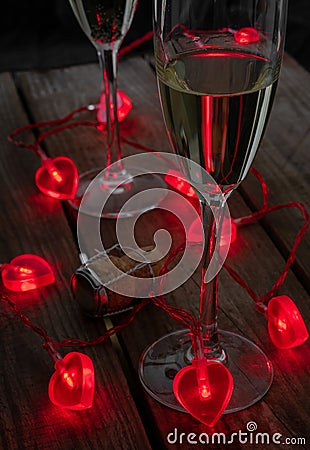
(109, 64)
(208, 305)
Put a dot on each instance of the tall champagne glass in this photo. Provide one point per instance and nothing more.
(105, 23)
(217, 65)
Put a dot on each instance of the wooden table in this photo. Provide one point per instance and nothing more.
(123, 416)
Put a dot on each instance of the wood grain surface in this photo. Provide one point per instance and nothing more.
(123, 415)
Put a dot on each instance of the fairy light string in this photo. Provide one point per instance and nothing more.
(255, 217)
(181, 316)
(56, 126)
(51, 123)
(61, 125)
(12, 137)
(276, 324)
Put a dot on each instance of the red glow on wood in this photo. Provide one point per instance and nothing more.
(124, 105)
(286, 326)
(246, 36)
(27, 272)
(58, 178)
(73, 382)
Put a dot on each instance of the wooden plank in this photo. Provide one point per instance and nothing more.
(249, 256)
(283, 160)
(33, 223)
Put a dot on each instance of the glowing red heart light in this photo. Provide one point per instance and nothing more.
(195, 233)
(27, 272)
(124, 105)
(246, 36)
(72, 384)
(286, 326)
(58, 178)
(209, 409)
(174, 179)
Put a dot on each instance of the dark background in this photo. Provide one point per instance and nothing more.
(44, 33)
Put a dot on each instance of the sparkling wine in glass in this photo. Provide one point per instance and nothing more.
(105, 23)
(217, 65)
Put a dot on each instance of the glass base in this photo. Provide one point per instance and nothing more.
(117, 197)
(251, 369)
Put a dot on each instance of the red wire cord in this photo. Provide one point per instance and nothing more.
(254, 217)
(181, 316)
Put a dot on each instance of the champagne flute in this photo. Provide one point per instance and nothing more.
(105, 23)
(217, 65)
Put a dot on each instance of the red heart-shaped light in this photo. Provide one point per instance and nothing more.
(209, 410)
(246, 36)
(286, 326)
(228, 233)
(27, 272)
(124, 106)
(72, 384)
(58, 178)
